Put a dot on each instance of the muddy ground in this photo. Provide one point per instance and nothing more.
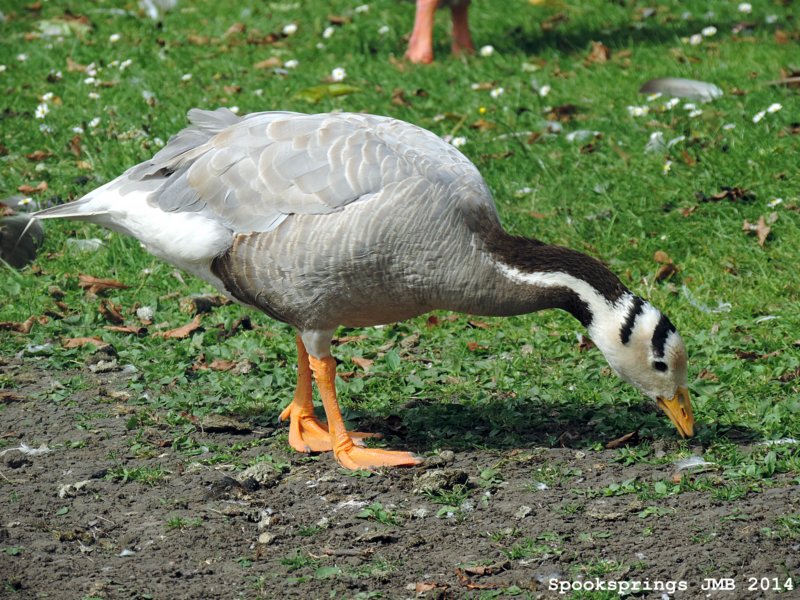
(72, 526)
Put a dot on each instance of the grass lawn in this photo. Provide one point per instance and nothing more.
(555, 123)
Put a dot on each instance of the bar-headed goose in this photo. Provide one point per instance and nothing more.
(352, 219)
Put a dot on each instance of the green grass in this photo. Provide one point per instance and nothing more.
(526, 382)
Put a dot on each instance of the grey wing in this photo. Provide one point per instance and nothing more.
(250, 173)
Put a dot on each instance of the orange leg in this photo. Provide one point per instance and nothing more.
(420, 46)
(462, 40)
(306, 432)
(347, 452)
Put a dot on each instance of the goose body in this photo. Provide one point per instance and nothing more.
(351, 219)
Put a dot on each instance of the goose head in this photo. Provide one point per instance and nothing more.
(646, 350)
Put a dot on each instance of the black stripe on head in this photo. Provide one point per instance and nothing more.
(627, 326)
(660, 335)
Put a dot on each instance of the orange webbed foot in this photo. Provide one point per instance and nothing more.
(309, 434)
(357, 457)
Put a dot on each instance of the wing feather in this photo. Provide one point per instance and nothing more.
(249, 173)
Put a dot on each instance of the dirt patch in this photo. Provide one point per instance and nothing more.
(85, 513)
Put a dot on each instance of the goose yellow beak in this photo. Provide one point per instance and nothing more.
(679, 411)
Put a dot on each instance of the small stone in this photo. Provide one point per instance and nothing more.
(522, 512)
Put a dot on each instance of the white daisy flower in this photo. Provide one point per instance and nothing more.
(497, 92)
(671, 103)
(458, 141)
(328, 33)
(759, 115)
(696, 39)
(775, 107)
(745, 7)
(291, 63)
(775, 202)
(638, 111)
(487, 50)
(709, 31)
(94, 96)
(125, 64)
(22, 57)
(114, 38)
(695, 113)
(289, 29)
(338, 74)
(362, 8)
(544, 90)
(94, 122)
(186, 77)
(729, 126)
(383, 29)
(41, 111)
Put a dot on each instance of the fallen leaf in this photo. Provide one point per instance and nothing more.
(74, 67)
(478, 324)
(273, 62)
(79, 342)
(75, 145)
(707, 375)
(662, 257)
(202, 303)
(111, 312)
(134, 329)
(599, 53)
(585, 344)
(551, 23)
(364, 363)
(24, 327)
(628, 438)
(27, 189)
(95, 285)
(761, 229)
(223, 424)
(39, 155)
(181, 332)
(483, 125)
(345, 339)
(563, 113)
(728, 193)
(665, 271)
(399, 97)
(235, 29)
(222, 364)
(475, 346)
(338, 20)
(790, 375)
(7, 397)
(423, 587)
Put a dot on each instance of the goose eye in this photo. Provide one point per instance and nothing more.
(660, 366)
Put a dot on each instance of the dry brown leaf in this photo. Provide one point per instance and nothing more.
(38, 155)
(134, 329)
(7, 397)
(551, 23)
(563, 113)
(78, 342)
(662, 257)
(95, 285)
(338, 20)
(235, 29)
(475, 346)
(423, 587)
(364, 363)
(483, 125)
(74, 67)
(111, 312)
(478, 324)
(628, 438)
(28, 189)
(707, 375)
(222, 364)
(399, 97)
(198, 40)
(665, 271)
(728, 193)
(599, 53)
(181, 332)
(349, 338)
(232, 89)
(761, 229)
(24, 327)
(273, 62)
(75, 145)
